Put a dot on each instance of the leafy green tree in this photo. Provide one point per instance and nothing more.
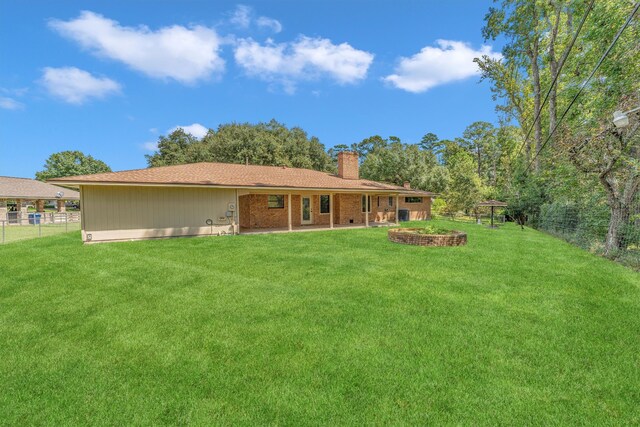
(451, 148)
(394, 162)
(518, 21)
(586, 154)
(269, 143)
(177, 148)
(71, 163)
(479, 138)
(465, 188)
(430, 142)
(371, 144)
(594, 145)
(335, 150)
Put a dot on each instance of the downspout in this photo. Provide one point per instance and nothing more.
(237, 212)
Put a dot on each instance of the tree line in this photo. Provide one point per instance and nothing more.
(566, 67)
(463, 170)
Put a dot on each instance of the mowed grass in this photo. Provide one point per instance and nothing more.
(334, 327)
(32, 231)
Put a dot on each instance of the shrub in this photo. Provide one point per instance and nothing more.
(430, 229)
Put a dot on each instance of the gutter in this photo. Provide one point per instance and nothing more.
(400, 190)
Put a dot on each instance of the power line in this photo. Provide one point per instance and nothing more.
(555, 78)
(602, 58)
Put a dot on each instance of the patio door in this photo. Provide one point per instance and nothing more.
(307, 214)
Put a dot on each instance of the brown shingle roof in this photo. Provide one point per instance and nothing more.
(234, 176)
(25, 188)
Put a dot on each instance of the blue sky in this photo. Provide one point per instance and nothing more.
(107, 78)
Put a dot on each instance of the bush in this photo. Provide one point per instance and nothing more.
(439, 206)
(430, 229)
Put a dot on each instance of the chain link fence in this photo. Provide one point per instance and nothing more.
(587, 227)
(38, 224)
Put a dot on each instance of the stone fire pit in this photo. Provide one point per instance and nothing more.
(413, 236)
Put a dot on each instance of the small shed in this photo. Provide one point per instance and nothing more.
(492, 204)
(17, 192)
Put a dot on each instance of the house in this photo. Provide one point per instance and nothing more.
(221, 198)
(16, 193)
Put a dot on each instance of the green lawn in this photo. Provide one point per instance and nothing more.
(336, 327)
(31, 231)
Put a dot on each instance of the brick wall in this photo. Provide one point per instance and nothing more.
(348, 167)
(255, 213)
(409, 236)
(347, 209)
(318, 218)
(244, 211)
(381, 209)
(417, 211)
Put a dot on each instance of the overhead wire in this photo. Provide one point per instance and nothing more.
(555, 78)
(586, 82)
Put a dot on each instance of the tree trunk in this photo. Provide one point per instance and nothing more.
(553, 68)
(535, 72)
(553, 95)
(620, 214)
(619, 199)
(534, 52)
(494, 172)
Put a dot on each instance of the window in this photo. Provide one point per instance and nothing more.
(413, 199)
(325, 204)
(378, 201)
(276, 201)
(366, 205)
(391, 201)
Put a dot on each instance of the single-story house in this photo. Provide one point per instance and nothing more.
(222, 198)
(16, 193)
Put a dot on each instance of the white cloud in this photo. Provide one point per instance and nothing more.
(243, 17)
(75, 86)
(176, 52)
(195, 129)
(269, 23)
(21, 91)
(436, 65)
(304, 59)
(10, 104)
(150, 146)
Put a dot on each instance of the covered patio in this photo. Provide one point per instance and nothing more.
(262, 211)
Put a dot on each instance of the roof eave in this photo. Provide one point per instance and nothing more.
(399, 190)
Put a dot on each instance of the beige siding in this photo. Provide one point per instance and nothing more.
(124, 212)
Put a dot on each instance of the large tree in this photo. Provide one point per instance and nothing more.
(71, 163)
(585, 150)
(520, 23)
(465, 189)
(395, 162)
(613, 157)
(480, 139)
(269, 143)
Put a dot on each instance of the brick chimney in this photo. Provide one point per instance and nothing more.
(407, 185)
(348, 165)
